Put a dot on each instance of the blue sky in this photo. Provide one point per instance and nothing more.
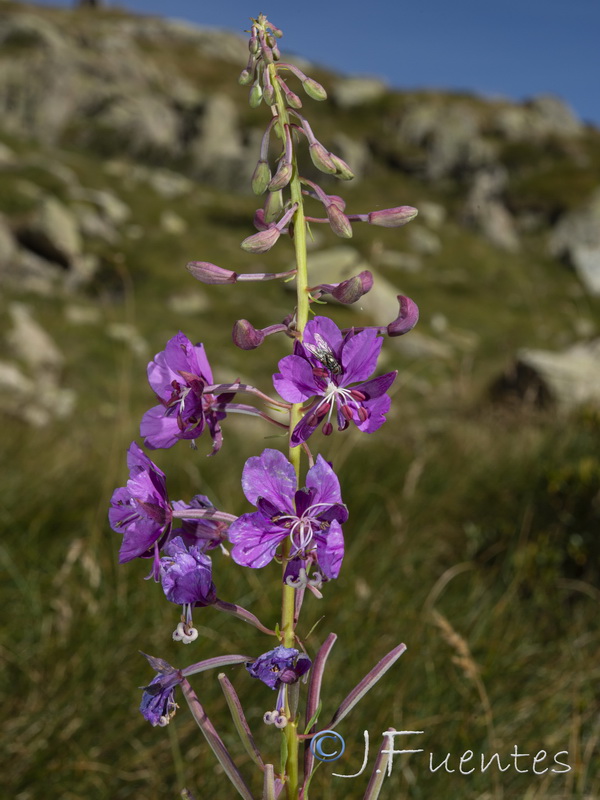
(511, 48)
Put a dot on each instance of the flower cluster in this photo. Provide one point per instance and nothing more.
(329, 380)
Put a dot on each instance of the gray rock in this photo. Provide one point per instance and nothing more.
(576, 239)
(52, 232)
(217, 151)
(145, 124)
(30, 343)
(356, 91)
(433, 214)
(394, 259)
(422, 240)
(7, 156)
(93, 225)
(566, 379)
(8, 248)
(113, 209)
(129, 335)
(541, 117)
(172, 223)
(485, 211)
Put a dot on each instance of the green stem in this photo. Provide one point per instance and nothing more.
(302, 305)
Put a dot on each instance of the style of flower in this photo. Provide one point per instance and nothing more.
(310, 517)
(278, 669)
(335, 367)
(158, 704)
(141, 511)
(178, 376)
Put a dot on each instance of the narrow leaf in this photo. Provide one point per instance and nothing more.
(379, 770)
(214, 663)
(367, 683)
(214, 741)
(239, 720)
(313, 701)
(243, 614)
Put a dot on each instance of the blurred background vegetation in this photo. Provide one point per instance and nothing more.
(125, 150)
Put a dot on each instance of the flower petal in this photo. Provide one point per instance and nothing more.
(271, 476)
(323, 479)
(330, 550)
(296, 382)
(254, 540)
(359, 356)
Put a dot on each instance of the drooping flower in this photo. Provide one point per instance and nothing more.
(186, 575)
(141, 511)
(158, 704)
(178, 376)
(283, 665)
(311, 517)
(278, 669)
(335, 367)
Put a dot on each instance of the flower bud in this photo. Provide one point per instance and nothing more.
(276, 52)
(339, 222)
(392, 217)
(261, 177)
(246, 77)
(210, 273)
(407, 318)
(293, 100)
(256, 94)
(262, 241)
(314, 89)
(273, 206)
(337, 201)
(282, 177)
(320, 158)
(246, 336)
(344, 172)
(354, 288)
(269, 94)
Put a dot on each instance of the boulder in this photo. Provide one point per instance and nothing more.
(357, 91)
(576, 239)
(52, 232)
(564, 379)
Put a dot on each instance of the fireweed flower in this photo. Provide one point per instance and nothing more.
(141, 511)
(310, 517)
(186, 577)
(178, 376)
(278, 669)
(335, 367)
(158, 704)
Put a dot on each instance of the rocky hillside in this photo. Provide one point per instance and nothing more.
(126, 146)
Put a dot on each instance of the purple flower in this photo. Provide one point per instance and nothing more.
(335, 367)
(205, 534)
(186, 575)
(178, 376)
(310, 517)
(158, 704)
(283, 665)
(140, 511)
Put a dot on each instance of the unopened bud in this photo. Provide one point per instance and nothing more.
(339, 222)
(392, 217)
(354, 288)
(293, 100)
(344, 173)
(407, 318)
(245, 78)
(269, 94)
(276, 52)
(262, 241)
(246, 336)
(337, 201)
(320, 158)
(253, 45)
(273, 206)
(282, 177)
(210, 273)
(314, 89)
(256, 94)
(261, 177)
